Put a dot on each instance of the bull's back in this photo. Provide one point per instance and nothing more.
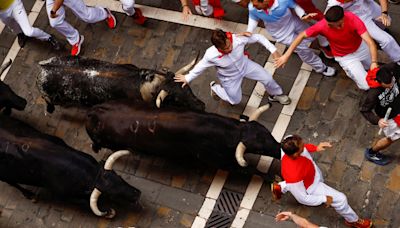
(160, 131)
(72, 80)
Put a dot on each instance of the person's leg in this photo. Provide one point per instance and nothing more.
(386, 41)
(7, 18)
(61, 25)
(339, 203)
(86, 13)
(230, 92)
(21, 18)
(381, 144)
(128, 7)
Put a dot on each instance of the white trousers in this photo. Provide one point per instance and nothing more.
(386, 41)
(204, 8)
(78, 7)
(339, 203)
(356, 64)
(16, 18)
(128, 7)
(305, 53)
(230, 89)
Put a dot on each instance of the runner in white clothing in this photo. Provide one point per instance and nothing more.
(364, 10)
(228, 56)
(13, 14)
(129, 8)
(56, 13)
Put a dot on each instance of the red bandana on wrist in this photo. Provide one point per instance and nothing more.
(229, 36)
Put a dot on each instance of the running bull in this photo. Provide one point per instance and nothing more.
(210, 138)
(70, 80)
(30, 157)
(8, 99)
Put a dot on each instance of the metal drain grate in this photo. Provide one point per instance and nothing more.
(225, 209)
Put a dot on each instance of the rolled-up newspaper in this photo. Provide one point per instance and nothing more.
(385, 118)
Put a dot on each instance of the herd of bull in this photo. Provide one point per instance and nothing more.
(129, 109)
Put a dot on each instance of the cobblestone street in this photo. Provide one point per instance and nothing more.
(173, 192)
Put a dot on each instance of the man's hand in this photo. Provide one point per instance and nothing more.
(308, 17)
(276, 55)
(329, 200)
(373, 65)
(248, 34)
(181, 78)
(382, 123)
(186, 12)
(323, 145)
(384, 18)
(281, 61)
(283, 216)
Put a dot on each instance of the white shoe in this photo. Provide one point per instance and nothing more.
(329, 71)
(283, 99)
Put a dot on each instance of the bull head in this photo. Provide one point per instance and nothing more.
(96, 192)
(241, 148)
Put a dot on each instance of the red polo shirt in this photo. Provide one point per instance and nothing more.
(342, 41)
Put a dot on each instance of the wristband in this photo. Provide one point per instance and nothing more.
(183, 6)
(52, 12)
(385, 12)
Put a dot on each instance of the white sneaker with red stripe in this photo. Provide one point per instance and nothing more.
(111, 21)
(76, 48)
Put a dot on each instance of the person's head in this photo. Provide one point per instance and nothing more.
(293, 146)
(260, 4)
(334, 16)
(384, 76)
(221, 41)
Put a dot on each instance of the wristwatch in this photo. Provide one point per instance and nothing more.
(52, 12)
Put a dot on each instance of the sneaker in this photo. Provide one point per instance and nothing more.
(212, 93)
(377, 158)
(329, 71)
(326, 51)
(138, 17)
(394, 1)
(76, 49)
(111, 21)
(276, 190)
(361, 223)
(22, 38)
(283, 99)
(54, 43)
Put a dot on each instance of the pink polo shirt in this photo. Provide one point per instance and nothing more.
(342, 41)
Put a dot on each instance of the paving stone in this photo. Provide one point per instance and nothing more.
(177, 199)
(339, 92)
(367, 171)
(337, 171)
(307, 98)
(256, 220)
(187, 220)
(178, 181)
(386, 204)
(394, 180)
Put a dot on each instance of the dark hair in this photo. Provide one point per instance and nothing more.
(384, 75)
(334, 14)
(218, 38)
(291, 144)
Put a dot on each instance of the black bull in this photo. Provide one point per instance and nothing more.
(69, 81)
(30, 157)
(210, 138)
(8, 99)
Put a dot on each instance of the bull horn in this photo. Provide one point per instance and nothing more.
(113, 157)
(93, 205)
(160, 97)
(239, 154)
(188, 66)
(5, 66)
(259, 111)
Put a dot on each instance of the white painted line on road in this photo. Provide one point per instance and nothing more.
(13, 52)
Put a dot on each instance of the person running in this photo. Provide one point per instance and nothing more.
(284, 27)
(362, 8)
(56, 13)
(13, 14)
(304, 180)
(227, 55)
(384, 92)
(345, 33)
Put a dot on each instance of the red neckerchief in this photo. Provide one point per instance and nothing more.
(269, 5)
(371, 78)
(229, 36)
